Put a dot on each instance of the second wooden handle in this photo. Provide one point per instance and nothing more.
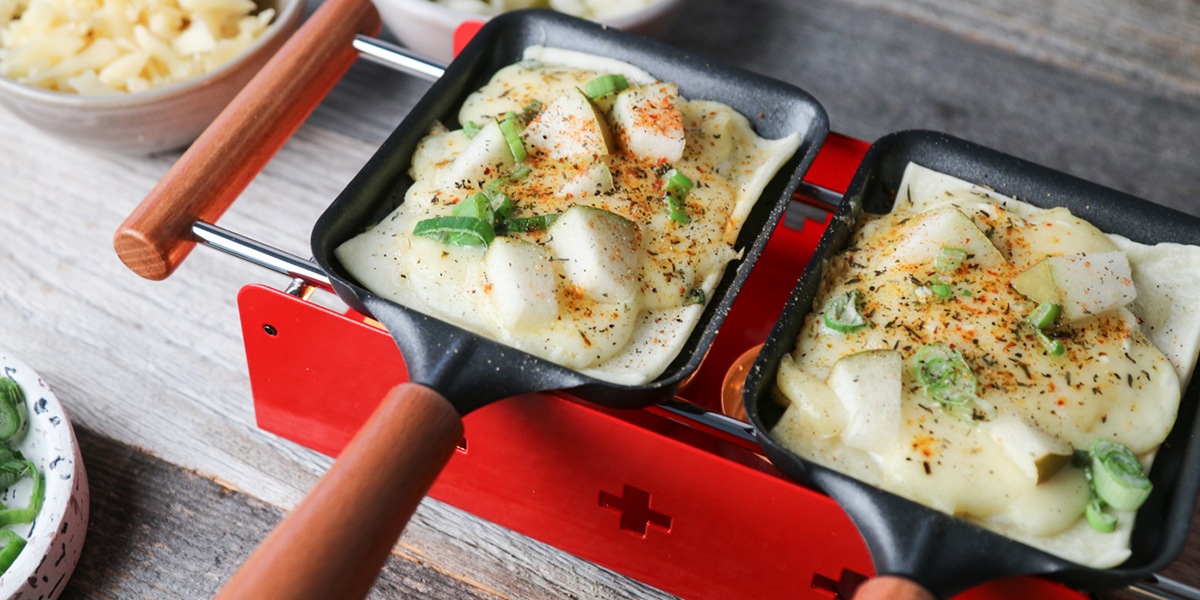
(334, 544)
(889, 587)
(157, 236)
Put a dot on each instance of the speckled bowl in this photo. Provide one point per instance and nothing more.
(55, 537)
(159, 119)
(428, 27)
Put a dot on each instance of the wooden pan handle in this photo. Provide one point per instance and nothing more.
(889, 587)
(334, 544)
(206, 180)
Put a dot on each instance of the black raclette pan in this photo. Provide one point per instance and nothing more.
(944, 554)
(460, 364)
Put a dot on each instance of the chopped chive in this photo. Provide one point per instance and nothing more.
(478, 206)
(605, 85)
(1053, 347)
(471, 129)
(520, 174)
(942, 290)
(1098, 519)
(508, 127)
(13, 415)
(527, 224)
(1117, 476)
(12, 472)
(530, 111)
(842, 314)
(12, 546)
(677, 184)
(1044, 316)
(949, 260)
(945, 375)
(457, 231)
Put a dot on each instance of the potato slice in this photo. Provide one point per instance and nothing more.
(1036, 453)
(649, 122)
(480, 161)
(520, 284)
(939, 228)
(868, 384)
(593, 181)
(601, 252)
(571, 127)
(1082, 284)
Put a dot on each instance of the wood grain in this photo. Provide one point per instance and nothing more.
(164, 532)
(337, 539)
(160, 365)
(157, 236)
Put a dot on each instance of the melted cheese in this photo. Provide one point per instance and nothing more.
(629, 342)
(1119, 379)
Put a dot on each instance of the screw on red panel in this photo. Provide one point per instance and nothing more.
(635, 510)
(843, 588)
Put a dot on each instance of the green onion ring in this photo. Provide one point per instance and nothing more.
(457, 231)
(1117, 476)
(842, 313)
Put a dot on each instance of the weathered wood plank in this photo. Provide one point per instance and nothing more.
(159, 531)
(160, 365)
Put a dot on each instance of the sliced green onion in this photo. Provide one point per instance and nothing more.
(12, 545)
(1044, 316)
(696, 296)
(1082, 459)
(605, 85)
(527, 224)
(13, 414)
(470, 129)
(457, 231)
(512, 136)
(1117, 476)
(530, 111)
(949, 260)
(1098, 519)
(842, 313)
(942, 290)
(1053, 347)
(14, 471)
(677, 184)
(520, 174)
(502, 206)
(478, 206)
(945, 375)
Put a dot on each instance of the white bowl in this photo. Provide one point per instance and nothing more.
(159, 119)
(428, 27)
(55, 537)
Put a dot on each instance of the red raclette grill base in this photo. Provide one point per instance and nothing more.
(699, 514)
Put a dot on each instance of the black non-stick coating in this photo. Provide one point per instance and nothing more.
(470, 370)
(943, 553)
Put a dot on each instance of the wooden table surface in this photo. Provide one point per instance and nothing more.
(154, 375)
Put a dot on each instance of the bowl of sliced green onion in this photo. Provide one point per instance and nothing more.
(43, 487)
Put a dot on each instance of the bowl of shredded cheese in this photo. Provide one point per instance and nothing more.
(427, 26)
(134, 76)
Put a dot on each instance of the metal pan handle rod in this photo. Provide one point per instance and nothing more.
(157, 235)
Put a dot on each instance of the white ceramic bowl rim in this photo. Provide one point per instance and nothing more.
(455, 17)
(121, 100)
